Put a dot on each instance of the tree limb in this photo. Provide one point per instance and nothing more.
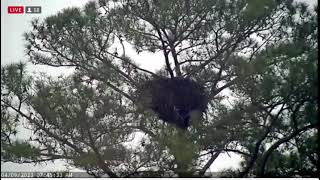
(259, 142)
(165, 53)
(208, 164)
(266, 155)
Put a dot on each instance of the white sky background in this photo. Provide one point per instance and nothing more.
(12, 50)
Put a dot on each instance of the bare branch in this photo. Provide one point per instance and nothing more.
(133, 65)
(226, 150)
(208, 164)
(165, 53)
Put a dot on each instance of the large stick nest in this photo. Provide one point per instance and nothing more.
(173, 99)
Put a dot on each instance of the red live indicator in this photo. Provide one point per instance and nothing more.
(15, 9)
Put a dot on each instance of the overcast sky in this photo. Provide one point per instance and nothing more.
(12, 50)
